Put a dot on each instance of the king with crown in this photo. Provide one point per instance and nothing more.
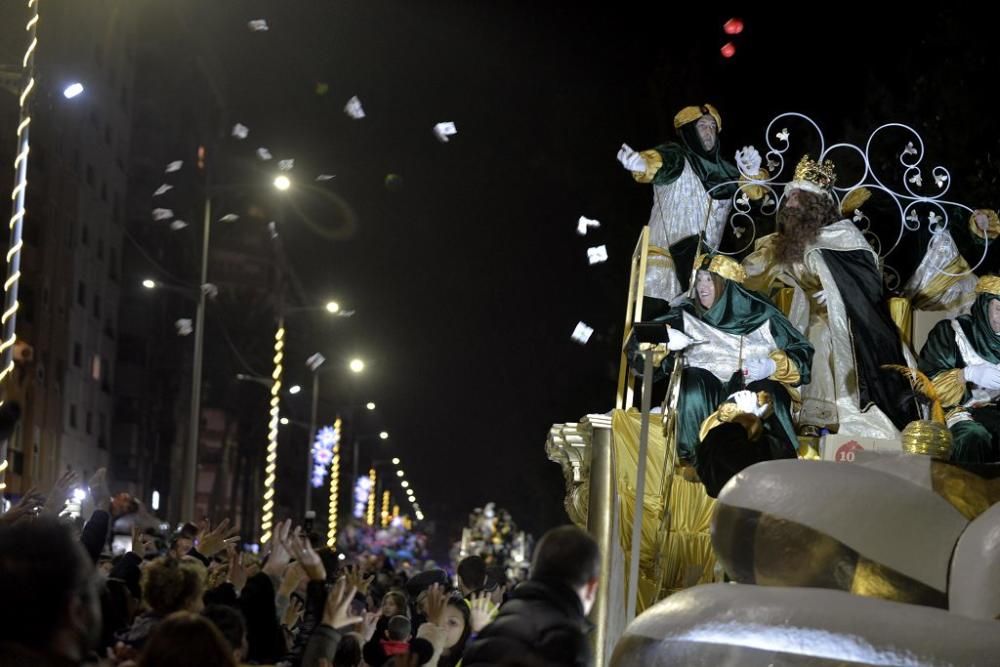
(839, 302)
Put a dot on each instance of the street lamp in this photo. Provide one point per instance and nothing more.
(400, 473)
(384, 435)
(404, 484)
(333, 307)
(149, 284)
(72, 90)
(357, 365)
(395, 462)
(284, 421)
(294, 389)
(370, 405)
(282, 182)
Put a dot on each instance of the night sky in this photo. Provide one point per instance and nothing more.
(468, 278)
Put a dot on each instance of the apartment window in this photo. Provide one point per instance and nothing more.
(77, 355)
(89, 423)
(104, 192)
(100, 248)
(84, 234)
(116, 209)
(97, 306)
(90, 175)
(112, 264)
(72, 415)
(81, 294)
(95, 368)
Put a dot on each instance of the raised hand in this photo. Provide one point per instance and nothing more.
(302, 551)
(482, 611)
(142, 544)
(212, 541)
(278, 561)
(28, 505)
(435, 604)
(336, 611)
(356, 577)
(55, 500)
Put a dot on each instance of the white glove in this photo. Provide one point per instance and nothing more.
(746, 401)
(986, 376)
(820, 297)
(630, 159)
(748, 160)
(677, 340)
(759, 368)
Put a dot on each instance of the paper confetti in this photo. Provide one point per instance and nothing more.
(163, 189)
(174, 166)
(229, 217)
(354, 109)
(584, 223)
(326, 177)
(582, 333)
(263, 153)
(177, 225)
(162, 214)
(444, 130)
(258, 25)
(597, 254)
(240, 131)
(184, 327)
(286, 165)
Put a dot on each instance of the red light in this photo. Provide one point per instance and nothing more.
(728, 51)
(733, 26)
(201, 157)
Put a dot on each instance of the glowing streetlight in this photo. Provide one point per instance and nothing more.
(294, 389)
(149, 284)
(405, 484)
(384, 435)
(400, 473)
(72, 90)
(284, 421)
(332, 307)
(370, 405)
(395, 462)
(357, 365)
(282, 182)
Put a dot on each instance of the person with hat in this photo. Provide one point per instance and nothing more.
(692, 190)
(962, 359)
(840, 302)
(733, 340)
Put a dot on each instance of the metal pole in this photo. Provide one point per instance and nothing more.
(640, 486)
(312, 438)
(190, 476)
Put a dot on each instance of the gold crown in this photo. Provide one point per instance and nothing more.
(988, 285)
(820, 175)
(727, 267)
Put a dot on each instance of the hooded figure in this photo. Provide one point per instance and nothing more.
(733, 341)
(962, 358)
(692, 191)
